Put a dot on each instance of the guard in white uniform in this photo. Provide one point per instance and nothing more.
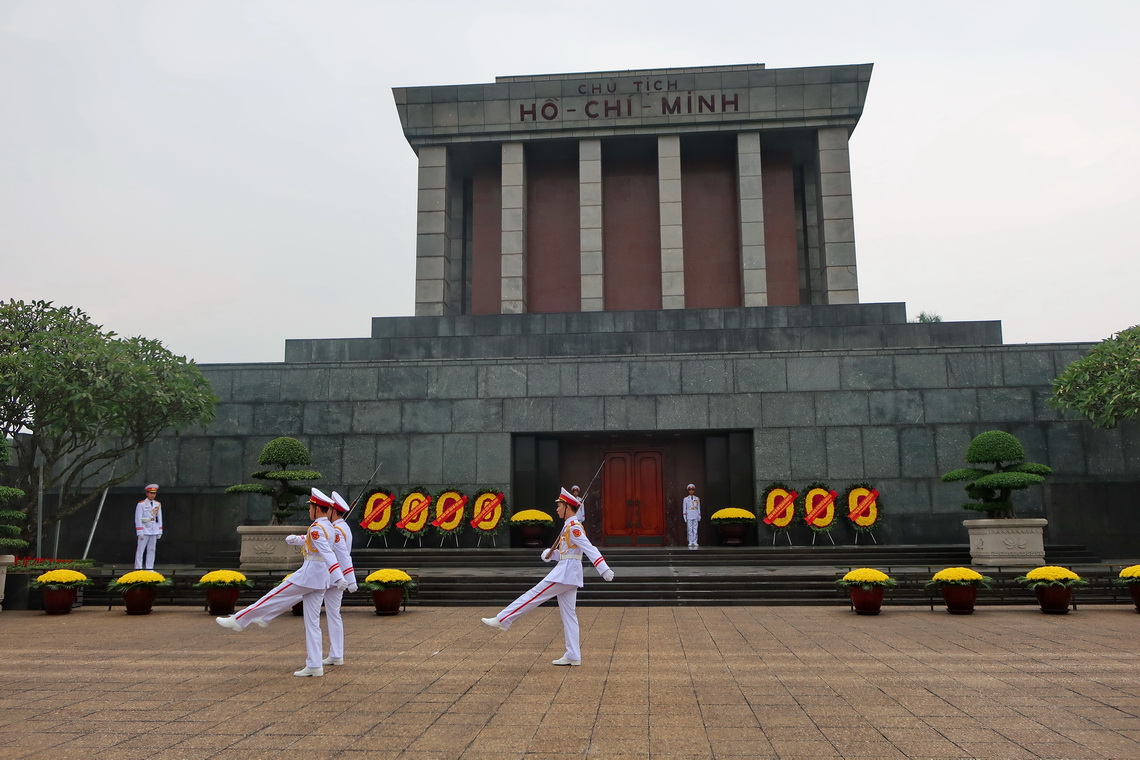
(342, 548)
(691, 509)
(148, 528)
(320, 570)
(561, 583)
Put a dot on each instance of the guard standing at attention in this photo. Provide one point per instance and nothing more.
(148, 528)
(691, 509)
(561, 583)
(319, 571)
(342, 548)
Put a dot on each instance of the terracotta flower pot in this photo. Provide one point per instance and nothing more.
(222, 600)
(867, 602)
(1054, 600)
(59, 601)
(388, 600)
(140, 599)
(959, 599)
(731, 534)
(532, 535)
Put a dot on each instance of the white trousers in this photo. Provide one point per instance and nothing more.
(692, 526)
(281, 598)
(146, 546)
(333, 597)
(567, 597)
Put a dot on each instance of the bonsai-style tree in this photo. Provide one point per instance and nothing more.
(1104, 385)
(11, 520)
(991, 488)
(284, 456)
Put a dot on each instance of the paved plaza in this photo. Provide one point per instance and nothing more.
(795, 683)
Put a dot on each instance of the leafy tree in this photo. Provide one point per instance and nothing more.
(927, 317)
(284, 455)
(83, 402)
(1103, 386)
(10, 519)
(991, 489)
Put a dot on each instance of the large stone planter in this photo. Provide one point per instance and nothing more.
(263, 547)
(1010, 543)
(5, 561)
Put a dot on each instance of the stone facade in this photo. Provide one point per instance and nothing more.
(839, 394)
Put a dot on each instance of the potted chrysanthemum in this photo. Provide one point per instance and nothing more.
(532, 525)
(732, 523)
(866, 586)
(1130, 577)
(222, 589)
(1053, 587)
(389, 588)
(959, 587)
(60, 589)
(139, 589)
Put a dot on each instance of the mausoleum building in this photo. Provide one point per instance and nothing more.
(649, 275)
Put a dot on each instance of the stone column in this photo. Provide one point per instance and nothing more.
(433, 234)
(837, 218)
(754, 274)
(590, 227)
(672, 241)
(514, 229)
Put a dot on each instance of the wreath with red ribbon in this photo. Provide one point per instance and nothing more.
(864, 506)
(450, 504)
(778, 505)
(487, 510)
(415, 509)
(379, 508)
(818, 507)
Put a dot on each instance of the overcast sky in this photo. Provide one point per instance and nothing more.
(222, 176)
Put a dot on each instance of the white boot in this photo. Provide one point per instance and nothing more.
(315, 672)
(229, 622)
(566, 661)
(333, 661)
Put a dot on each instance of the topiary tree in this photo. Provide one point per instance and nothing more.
(991, 489)
(1104, 385)
(11, 520)
(283, 455)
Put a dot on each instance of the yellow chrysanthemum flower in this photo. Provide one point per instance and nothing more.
(223, 576)
(141, 576)
(531, 514)
(388, 575)
(61, 576)
(1130, 572)
(1052, 573)
(732, 513)
(957, 574)
(866, 575)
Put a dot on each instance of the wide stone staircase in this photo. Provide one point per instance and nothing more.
(673, 576)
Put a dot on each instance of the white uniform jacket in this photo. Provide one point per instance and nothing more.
(342, 548)
(572, 544)
(691, 507)
(148, 518)
(321, 567)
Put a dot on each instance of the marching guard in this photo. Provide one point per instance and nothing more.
(561, 583)
(342, 548)
(319, 571)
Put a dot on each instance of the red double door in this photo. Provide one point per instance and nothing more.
(633, 498)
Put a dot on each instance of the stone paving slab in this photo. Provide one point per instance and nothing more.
(667, 683)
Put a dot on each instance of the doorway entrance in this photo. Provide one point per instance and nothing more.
(634, 498)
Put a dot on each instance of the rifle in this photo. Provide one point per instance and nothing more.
(356, 501)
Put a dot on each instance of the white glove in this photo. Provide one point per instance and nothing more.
(352, 588)
(608, 575)
(546, 555)
(295, 540)
(341, 584)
